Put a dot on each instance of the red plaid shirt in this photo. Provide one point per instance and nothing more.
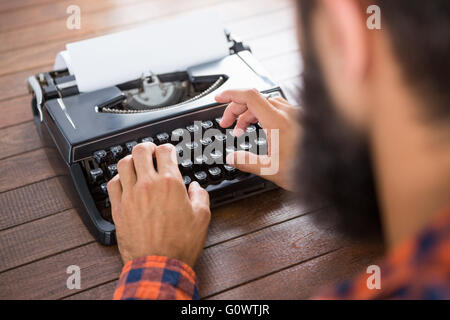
(417, 269)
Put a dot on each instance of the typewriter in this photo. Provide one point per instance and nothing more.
(93, 130)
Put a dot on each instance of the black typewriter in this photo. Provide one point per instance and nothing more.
(92, 131)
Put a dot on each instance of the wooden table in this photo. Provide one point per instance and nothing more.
(267, 247)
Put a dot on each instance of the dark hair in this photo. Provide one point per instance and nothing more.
(420, 35)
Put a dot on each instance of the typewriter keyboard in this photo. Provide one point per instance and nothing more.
(201, 148)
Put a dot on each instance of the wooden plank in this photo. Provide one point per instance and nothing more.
(220, 267)
(273, 45)
(284, 66)
(28, 168)
(247, 258)
(18, 139)
(45, 12)
(14, 85)
(301, 281)
(140, 13)
(6, 5)
(307, 279)
(44, 53)
(32, 202)
(46, 279)
(42, 238)
(102, 292)
(23, 239)
(264, 24)
(15, 110)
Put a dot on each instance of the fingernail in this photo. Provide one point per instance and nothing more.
(167, 147)
(195, 184)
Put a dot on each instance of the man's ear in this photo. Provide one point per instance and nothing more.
(342, 45)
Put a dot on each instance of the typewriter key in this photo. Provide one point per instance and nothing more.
(207, 124)
(215, 173)
(99, 156)
(230, 149)
(104, 188)
(186, 165)
(116, 151)
(193, 128)
(201, 160)
(201, 177)
(260, 141)
(191, 145)
(112, 170)
(179, 150)
(221, 137)
(162, 137)
(245, 146)
(147, 139)
(206, 141)
(130, 145)
(250, 129)
(96, 175)
(187, 180)
(229, 171)
(177, 134)
(216, 154)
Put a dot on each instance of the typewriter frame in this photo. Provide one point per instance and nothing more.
(78, 189)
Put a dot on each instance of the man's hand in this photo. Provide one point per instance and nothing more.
(250, 106)
(153, 213)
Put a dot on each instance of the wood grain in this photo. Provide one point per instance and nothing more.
(20, 4)
(120, 18)
(46, 12)
(304, 280)
(32, 202)
(31, 241)
(43, 54)
(16, 110)
(28, 168)
(220, 267)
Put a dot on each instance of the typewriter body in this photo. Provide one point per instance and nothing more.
(92, 131)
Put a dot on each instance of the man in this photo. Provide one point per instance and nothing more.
(374, 140)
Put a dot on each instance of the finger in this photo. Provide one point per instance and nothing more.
(285, 107)
(125, 168)
(248, 161)
(254, 101)
(279, 104)
(243, 122)
(232, 111)
(143, 160)
(114, 190)
(199, 196)
(282, 100)
(166, 159)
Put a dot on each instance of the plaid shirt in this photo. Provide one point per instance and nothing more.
(417, 269)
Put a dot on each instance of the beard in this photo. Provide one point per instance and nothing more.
(335, 166)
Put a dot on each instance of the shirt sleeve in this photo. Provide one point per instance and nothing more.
(156, 278)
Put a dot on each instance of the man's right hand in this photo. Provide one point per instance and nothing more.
(249, 106)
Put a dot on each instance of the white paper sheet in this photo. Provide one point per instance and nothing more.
(161, 47)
